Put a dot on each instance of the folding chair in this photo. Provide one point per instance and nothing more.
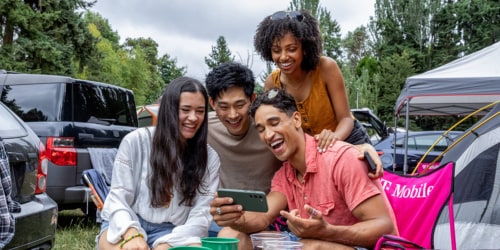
(417, 202)
(98, 178)
(99, 189)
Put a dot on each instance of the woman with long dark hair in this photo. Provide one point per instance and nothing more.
(164, 177)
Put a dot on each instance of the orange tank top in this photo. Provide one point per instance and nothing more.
(317, 109)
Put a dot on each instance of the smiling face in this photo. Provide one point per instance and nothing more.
(280, 132)
(287, 53)
(191, 113)
(231, 107)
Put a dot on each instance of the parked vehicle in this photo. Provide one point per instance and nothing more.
(36, 222)
(418, 143)
(375, 127)
(70, 116)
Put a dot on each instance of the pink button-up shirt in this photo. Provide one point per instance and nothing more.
(335, 182)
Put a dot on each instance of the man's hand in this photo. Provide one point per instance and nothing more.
(376, 158)
(309, 228)
(223, 212)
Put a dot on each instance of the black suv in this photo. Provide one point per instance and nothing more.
(36, 220)
(70, 116)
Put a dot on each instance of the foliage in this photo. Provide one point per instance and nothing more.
(393, 72)
(168, 69)
(267, 72)
(145, 67)
(43, 36)
(427, 34)
(402, 38)
(330, 29)
(220, 54)
(356, 46)
(133, 65)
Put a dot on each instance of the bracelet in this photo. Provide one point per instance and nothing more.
(130, 238)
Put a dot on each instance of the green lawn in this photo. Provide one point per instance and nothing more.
(75, 231)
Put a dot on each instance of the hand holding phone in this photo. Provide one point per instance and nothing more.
(371, 164)
(251, 200)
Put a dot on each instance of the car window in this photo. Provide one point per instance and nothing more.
(424, 142)
(411, 142)
(42, 106)
(10, 128)
(102, 105)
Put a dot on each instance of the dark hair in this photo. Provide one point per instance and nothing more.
(173, 160)
(227, 75)
(277, 98)
(305, 29)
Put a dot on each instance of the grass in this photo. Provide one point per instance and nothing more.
(75, 231)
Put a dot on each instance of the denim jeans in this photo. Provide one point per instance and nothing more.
(153, 230)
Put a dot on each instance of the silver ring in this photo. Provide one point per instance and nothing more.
(314, 213)
(217, 211)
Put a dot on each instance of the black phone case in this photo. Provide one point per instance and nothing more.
(371, 164)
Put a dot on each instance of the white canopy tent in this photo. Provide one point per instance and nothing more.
(457, 88)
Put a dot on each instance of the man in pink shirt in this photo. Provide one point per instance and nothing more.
(327, 198)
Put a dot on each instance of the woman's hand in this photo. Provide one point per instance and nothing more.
(162, 246)
(325, 139)
(137, 243)
(376, 159)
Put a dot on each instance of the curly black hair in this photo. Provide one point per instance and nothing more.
(301, 24)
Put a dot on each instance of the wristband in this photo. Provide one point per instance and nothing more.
(130, 238)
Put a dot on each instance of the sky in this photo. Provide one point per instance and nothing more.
(187, 29)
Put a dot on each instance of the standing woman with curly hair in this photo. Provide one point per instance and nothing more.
(164, 177)
(292, 41)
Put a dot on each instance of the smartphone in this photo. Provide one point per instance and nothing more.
(251, 200)
(371, 164)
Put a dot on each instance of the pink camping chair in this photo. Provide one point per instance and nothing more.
(417, 202)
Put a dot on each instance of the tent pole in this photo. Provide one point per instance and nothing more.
(407, 120)
(396, 116)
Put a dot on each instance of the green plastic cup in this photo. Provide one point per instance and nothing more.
(219, 243)
(190, 248)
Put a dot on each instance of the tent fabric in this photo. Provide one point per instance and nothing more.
(457, 88)
(476, 187)
(147, 114)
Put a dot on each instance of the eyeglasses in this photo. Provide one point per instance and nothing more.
(272, 93)
(280, 15)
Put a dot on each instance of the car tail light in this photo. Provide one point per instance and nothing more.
(43, 162)
(61, 151)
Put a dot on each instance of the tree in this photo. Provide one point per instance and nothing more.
(356, 46)
(43, 36)
(393, 72)
(330, 29)
(220, 54)
(169, 70)
(477, 23)
(149, 50)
